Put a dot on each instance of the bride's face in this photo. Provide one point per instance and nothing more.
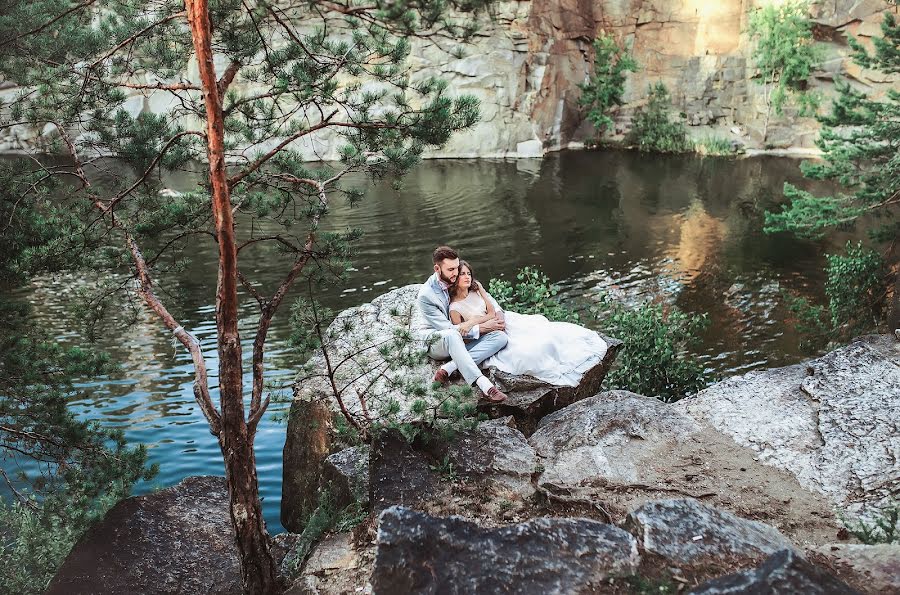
(465, 277)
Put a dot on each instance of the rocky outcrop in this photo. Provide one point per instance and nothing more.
(494, 456)
(417, 553)
(868, 568)
(345, 474)
(836, 428)
(623, 449)
(177, 540)
(305, 450)
(784, 572)
(359, 331)
(686, 532)
(502, 459)
(528, 58)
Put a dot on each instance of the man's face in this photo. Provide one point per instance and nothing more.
(448, 270)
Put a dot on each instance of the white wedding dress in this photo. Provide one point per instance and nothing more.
(558, 353)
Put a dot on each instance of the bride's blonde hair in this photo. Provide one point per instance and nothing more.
(455, 286)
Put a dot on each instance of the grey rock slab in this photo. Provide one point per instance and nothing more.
(176, 540)
(836, 429)
(346, 475)
(869, 568)
(784, 573)
(418, 553)
(399, 473)
(609, 437)
(687, 532)
(496, 454)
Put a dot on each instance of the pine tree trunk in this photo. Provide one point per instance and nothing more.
(258, 572)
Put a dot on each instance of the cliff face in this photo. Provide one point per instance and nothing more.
(530, 56)
(698, 49)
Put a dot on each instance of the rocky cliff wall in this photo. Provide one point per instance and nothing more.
(526, 63)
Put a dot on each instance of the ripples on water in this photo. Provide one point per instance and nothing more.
(682, 229)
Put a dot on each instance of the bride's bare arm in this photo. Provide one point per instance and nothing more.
(491, 312)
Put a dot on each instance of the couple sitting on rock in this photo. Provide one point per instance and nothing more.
(462, 322)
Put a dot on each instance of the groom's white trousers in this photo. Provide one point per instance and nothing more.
(466, 356)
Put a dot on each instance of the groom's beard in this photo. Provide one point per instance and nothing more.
(445, 279)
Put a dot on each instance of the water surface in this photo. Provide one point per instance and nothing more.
(682, 229)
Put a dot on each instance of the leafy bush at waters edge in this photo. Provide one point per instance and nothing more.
(654, 360)
(532, 294)
(603, 92)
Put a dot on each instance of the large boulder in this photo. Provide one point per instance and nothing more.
(358, 337)
(610, 437)
(176, 540)
(837, 428)
(371, 385)
(783, 573)
(494, 458)
(418, 553)
(622, 449)
(345, 474)
(495, 455)
(686, 532)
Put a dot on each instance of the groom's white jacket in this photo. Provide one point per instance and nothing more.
(434, 305)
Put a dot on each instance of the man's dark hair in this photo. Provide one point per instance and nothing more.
(443, 253)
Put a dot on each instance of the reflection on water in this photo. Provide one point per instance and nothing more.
(682, 229)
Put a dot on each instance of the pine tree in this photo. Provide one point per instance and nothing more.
(303, 68)
(860, 143)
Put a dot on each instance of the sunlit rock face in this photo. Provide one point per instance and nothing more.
(527, 61)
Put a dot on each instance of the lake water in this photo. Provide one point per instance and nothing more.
(681, 228)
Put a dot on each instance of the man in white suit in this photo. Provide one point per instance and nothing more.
(447, 340)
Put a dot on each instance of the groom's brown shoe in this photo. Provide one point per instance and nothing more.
(441, 377)
(494, 395)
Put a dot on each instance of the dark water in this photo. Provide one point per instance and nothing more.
(685, 229)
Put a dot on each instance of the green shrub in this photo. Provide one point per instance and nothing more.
(604, 90)
(854, 287)
(653, 129)
(654, 359)
(533, 294)
(714, 145)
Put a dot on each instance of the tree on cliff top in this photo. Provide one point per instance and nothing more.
(785, 55)
(860, 143)
(263, 75)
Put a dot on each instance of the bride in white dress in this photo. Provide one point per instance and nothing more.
(558, 353)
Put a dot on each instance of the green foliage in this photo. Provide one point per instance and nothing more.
(855, 287)
(654, 359)
(653, 128)
(603, 91)
(714, 145)
(785, 54)
(532, 294)
(884, 528)
(82, 469)
(855, 290)
(860, 142)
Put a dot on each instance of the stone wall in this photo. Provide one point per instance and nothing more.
(529, 57)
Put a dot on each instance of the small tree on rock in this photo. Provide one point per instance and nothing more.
(603, 91)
